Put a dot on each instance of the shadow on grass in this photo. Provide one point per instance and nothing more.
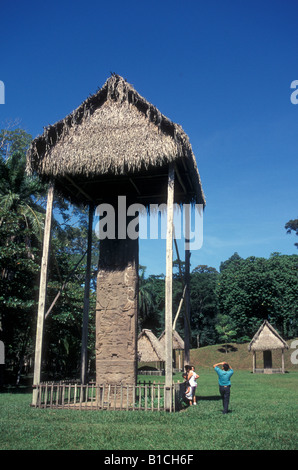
(227, 348)
(15, 389)
(208, 398)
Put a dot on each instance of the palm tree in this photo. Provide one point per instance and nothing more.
(20, 194)
(21, 223)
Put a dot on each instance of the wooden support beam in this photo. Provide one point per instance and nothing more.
(89, 198)
(180, 179)
(135, 186)
(84, 355)
(183, 280)
(282, 361)
(63, 286)
(169, 291)
(42, 292)
(187, 331)
(179, 309)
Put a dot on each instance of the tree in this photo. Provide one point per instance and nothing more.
(225, 330)
(145, 297)
(19, 193)
(22, 208)
(21, 222)
(203, 302)
(151, 301)
(256, 289)
(63, 325)
(292, 225)
(235, 258)
(282, 296)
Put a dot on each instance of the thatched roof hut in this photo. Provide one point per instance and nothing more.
(116, 142)
(178, 348)
(149, 348)
(178, 343)
(266, 340)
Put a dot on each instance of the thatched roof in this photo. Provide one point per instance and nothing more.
(178, 342)
(149, 348)
(116, 142)
(267, 338)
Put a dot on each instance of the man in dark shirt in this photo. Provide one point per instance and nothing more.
(224, 382)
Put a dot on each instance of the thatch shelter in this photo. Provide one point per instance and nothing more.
(115, 144)
(178, 348)
(266, 340)
(149, 348)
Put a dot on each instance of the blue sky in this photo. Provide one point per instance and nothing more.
(222, 70)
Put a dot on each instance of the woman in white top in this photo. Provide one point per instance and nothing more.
(192, 379)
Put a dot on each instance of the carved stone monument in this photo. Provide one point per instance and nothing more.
(116, 312)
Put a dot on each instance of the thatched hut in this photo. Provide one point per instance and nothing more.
(178, 349)
(115, 144)
(149, 348)
(266, 340)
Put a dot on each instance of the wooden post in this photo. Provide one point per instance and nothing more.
(84, 356)
(254, 362)
(168, 292)
(42, 293)
(187, 292)
(282, 361)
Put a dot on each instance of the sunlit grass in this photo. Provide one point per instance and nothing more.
(263, 415)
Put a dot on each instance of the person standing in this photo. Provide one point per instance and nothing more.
(224, 375)
(187, 387)
(193, 376)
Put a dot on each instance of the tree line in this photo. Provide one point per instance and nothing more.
(226, 305)
(229, 305)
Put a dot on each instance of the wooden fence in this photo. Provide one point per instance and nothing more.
(156, 372)
(268, 371)
(151, 372)
(147, 397)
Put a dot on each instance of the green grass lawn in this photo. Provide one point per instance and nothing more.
(264, 412)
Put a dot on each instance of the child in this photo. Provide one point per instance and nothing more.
(192, 379)
(188, 391)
